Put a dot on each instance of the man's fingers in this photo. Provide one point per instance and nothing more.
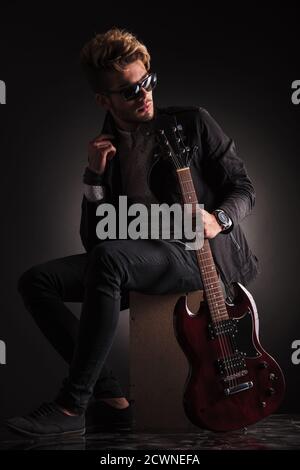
(99, 151)
(103, 137)
(100, 142)
(100, 145)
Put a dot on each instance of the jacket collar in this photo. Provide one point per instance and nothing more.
(113, 180)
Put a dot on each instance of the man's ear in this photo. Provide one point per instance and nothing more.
(102, 100)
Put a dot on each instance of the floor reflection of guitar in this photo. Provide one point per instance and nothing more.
(232, 382)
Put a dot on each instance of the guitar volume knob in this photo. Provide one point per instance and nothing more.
(263, 365)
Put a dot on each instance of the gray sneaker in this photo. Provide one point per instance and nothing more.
(48, 421)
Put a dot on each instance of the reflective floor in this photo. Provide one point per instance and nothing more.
(275, 432)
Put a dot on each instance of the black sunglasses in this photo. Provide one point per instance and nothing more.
(133, 91)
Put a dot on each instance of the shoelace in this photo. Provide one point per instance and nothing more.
(44, 410)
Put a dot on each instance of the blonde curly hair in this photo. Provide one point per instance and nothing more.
(112, 50)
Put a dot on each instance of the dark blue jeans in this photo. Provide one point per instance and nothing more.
(101, 280)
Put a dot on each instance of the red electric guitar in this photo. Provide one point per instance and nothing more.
(233, 382)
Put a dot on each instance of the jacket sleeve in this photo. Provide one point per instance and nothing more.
(224, 170)
(89, 219)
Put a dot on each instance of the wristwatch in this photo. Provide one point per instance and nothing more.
(223, 220)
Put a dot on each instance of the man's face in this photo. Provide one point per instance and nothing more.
(128, 114)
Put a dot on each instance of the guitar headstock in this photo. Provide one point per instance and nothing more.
(173, 147)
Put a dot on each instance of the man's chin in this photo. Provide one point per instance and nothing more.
(146, 116)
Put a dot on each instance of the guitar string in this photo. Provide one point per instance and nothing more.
(222, 338)
(222, 343)
(224, 346)
(217, 315)
(232, 346)
(211, 301)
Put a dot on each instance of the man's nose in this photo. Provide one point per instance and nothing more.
(143, 93)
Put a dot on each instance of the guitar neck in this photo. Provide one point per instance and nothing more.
(211, 283)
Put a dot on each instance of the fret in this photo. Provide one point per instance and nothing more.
(205, 257)
(218, 309)
(217, 298)
(214, 290)
(188, 186)
(211, 282)
(216, 293)
(212, 277)
(217, 316)
(210, 272)
(204, 254)
(208, 266)
(190, 200)
(215, 301)
(217, 306)
(190, 192)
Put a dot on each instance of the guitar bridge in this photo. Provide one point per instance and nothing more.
(238, 388)
(236, 375)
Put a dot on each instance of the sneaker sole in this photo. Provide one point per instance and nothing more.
(79, 432)
(107, 428)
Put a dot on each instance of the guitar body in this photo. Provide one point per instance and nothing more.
(232, 381)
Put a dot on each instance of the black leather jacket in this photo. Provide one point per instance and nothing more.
(220, 181)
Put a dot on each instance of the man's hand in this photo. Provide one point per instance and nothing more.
(100, 150)
(210, 225)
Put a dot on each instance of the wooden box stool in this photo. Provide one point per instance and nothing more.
(158, 366)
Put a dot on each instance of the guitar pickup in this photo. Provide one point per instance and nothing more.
(223, 327)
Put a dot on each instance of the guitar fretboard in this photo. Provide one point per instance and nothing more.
(211, 283)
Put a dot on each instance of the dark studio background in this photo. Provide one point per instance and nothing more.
(238, 64)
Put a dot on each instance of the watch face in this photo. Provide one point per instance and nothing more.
(223, 218)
